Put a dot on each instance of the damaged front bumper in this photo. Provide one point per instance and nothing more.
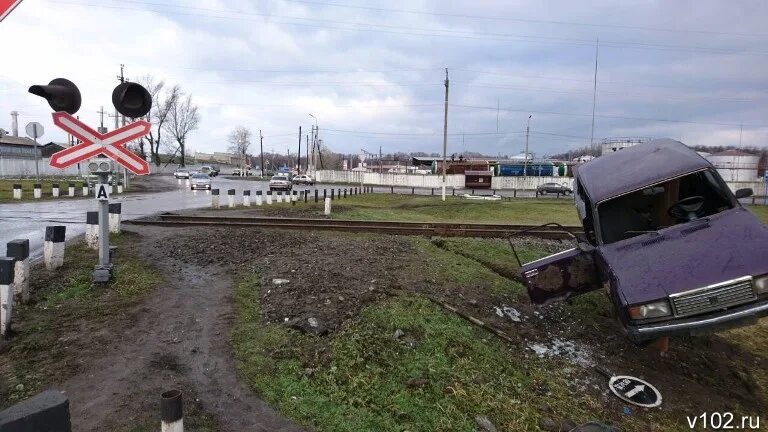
(734, 317)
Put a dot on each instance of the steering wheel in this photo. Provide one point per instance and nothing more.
(687, 208)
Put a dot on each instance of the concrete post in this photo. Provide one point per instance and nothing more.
(345, 192)
(92, 230)
(325, 194)
(306, 196)
(294, 197)
(214, 198)
(333, 191)
(279, 196)
(85, 189)
(17, 191)
(433, 191)
(171, 412)
(119, 187)
(55, 190)
(327, 206)
(316, 193)
(231, 198)
(19, 250)
(53, 248)
(115, 210)
(38, 191)
(269, 197)
(392, 189)
(258, 198)
(46, 411)
(246, 198)
(6, 297)
(111, 188)
(71, 190)
(338, 193)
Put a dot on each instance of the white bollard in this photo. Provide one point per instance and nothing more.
(294, 196)
(279, 196)
(38, 191)
(53, 248)
(214, 198)
(111, 188)
(115, 210)
(55, 190)
(171, 412)
(6, 297)
(119, 187)
(92, 230)
(231, 198)
(246, 198)
(85, 189)
(71, 190)
(327, 206)
(19, 250)
(258, 198)
(269, 197)
(17, 191)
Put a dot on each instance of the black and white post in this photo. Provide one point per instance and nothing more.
(55, 190)
(102, 272)
(246, 198)
(92, 230)
(71, 190)
(214, 198)
(231, 198)
(17, 191)
(171, 412)
(19, 250)
(115, 216)
(258, 198)
(53, 248)
(6, 297)
(37, 191)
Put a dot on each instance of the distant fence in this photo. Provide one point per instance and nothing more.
(22, 167)
(390, 179)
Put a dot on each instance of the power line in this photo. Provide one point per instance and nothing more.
(369, 27)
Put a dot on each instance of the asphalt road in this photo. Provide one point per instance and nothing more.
(29, 219)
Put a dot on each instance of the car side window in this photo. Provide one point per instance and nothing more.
(584, 207)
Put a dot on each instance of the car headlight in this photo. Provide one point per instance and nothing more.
(761, 284)
(650, 310)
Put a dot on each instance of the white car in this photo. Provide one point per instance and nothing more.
(181, 173)
(200, 181)
(280, 182)
(303, 179)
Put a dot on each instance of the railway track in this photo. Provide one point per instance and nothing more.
(359, 226)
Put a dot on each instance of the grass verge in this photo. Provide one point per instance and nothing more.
(27, 187)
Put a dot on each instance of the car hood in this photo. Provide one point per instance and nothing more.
(688, 256)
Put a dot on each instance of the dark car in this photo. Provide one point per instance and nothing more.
(667, 240)
(553, 188)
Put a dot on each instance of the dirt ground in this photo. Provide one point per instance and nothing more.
(178, 336)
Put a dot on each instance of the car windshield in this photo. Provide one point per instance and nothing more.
(200, 176)
(182, 170)
(279, 178)
(654, 207)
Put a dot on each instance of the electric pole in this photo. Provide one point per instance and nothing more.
(298, 155)
(594, 96)
(445, 130)
(306, 154)
(527, 132)
(101, 119)
(261, 148)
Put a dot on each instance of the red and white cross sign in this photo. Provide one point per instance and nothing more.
(6, 7)
(110, 144)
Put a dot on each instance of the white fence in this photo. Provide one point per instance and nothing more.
(21, 167)
(390, 179)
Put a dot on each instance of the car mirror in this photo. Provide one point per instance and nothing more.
(743, 193)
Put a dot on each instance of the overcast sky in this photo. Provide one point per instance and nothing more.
(372, 71)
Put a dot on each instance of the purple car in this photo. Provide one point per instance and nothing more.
(667, 240)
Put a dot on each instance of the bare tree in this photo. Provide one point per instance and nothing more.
(183, 118)
(163, 100)
(240, 141)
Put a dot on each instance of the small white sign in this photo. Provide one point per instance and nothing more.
(101, 192)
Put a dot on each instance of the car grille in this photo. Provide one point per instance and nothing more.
(713, 298)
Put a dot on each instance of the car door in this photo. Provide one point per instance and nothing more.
(562, 275)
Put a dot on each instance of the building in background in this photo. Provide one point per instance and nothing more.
(610, 145)
(736, 165)
(18, 147)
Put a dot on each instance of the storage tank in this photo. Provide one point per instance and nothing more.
(735, 165)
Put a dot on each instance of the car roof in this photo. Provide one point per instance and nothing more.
(638, 166)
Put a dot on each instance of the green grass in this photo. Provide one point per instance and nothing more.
(455, 370)
(27, 187)
(761, 211)
(65, 306)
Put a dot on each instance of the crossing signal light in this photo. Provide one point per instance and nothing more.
(131, 100)
(61, 94)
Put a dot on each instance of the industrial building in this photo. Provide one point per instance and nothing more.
(736, 165)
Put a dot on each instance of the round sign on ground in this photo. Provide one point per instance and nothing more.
(635, 391)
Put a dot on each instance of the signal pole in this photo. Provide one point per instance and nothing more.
(527, 132)
(445, 130)
(298, 155)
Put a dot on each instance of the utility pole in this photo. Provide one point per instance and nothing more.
(527, 132)
(101, 118)
(306, 154)
(381, 167)
(445, 130)
(298, 155)
(741, 131)
(594, 96)
(261, 148)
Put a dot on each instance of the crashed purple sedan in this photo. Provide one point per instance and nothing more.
(668, 241)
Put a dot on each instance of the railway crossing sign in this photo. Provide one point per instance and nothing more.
(635, 391)
(111, 144)
(6, 7)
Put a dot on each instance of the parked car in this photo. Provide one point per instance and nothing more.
(553, 188)
(667, 240)
(236, 172)
(200, 181)
(303, 179)
(181, 173)
(280, 182)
